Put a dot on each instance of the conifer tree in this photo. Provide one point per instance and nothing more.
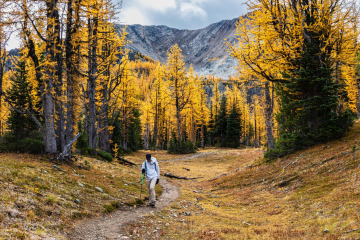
(233, 128)
(221, 123)
(19, 94)
(134, 131)
(311, 116)
(297, 45)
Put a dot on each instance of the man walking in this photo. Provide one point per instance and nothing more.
(151, 168)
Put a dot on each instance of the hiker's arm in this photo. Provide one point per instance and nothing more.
(143, 168)
(158, 171)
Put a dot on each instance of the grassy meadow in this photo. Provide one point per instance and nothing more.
(310, 194)
(38, 201)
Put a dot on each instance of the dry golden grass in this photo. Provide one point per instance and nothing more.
(311, 194)
(36, 200)
(297, 197)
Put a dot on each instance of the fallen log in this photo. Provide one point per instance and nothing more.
(218, 189)
(169, 175)
(356, 229)
(58, 168)
(125, 162)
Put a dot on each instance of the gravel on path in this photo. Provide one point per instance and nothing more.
(109, 226)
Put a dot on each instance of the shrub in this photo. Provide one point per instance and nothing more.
(185, 147)
(51, 199)
(33, 146)
(27, 145)
(122, 151)
(105, 155)
(108, 208)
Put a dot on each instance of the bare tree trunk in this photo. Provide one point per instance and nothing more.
(202, 136)
(178, 116)
(268, 117)
(48, 105)
(58, 82)
(104, 133)
(146, 137)
(156, 119)
(91, 131)
(48, 99)
(358, 106)
(2, 65)
(71, 60)
(255, 140)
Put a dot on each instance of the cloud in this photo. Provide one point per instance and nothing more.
(160, 5)
(191, 10)
(133, 16)
(181, 14)
(199, 1)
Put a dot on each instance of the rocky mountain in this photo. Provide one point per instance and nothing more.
(199, 47)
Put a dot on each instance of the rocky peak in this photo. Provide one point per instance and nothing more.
(198, 46)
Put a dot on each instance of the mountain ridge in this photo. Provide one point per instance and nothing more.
(198, 47)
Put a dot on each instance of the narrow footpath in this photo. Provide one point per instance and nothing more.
(110, 226)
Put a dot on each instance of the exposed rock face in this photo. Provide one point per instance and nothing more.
(198, 46)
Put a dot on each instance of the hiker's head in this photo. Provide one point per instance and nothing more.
(148, 157)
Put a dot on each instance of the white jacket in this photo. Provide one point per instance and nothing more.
(152, 169)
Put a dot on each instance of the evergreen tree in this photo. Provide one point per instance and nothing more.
(116, 138)
(250, 135)
(24, 135)
(220, 123)
(81, 143)
(19, 94)
(233, 128)
(134, 131)
(309, 102)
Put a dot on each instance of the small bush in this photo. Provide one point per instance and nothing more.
(77, 215)
(87, 164)
(122, 151)
(185, 147)
(27, 145)
(20, 235)
(108, 208)
(273, 154)
(33, 146)
(105, 155)
(51, 199)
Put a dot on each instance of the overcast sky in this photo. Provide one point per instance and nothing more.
(181, 14)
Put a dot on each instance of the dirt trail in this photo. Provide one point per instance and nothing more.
(192, 156)
(109, 226)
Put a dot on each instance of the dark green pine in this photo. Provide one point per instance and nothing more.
(21, 125)
(309, 105)
(134, 131)
(233, 128)
(220, 123)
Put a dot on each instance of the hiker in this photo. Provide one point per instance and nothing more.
(151, 169)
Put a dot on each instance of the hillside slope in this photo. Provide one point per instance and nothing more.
(311, 194)
(198, 46)
(40, 201)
